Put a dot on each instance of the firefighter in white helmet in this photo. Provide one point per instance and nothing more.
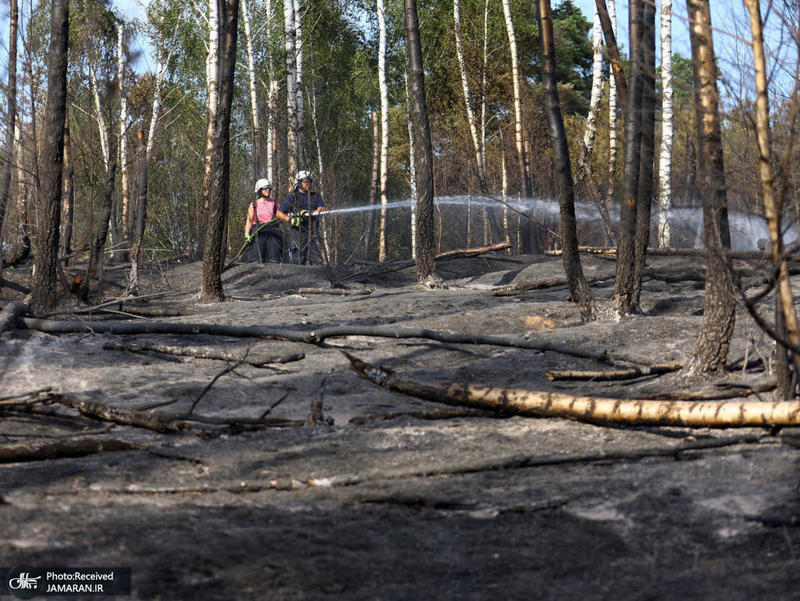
(264, 215)
(303, 205)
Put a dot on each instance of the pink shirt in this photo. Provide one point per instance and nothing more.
(265, 211)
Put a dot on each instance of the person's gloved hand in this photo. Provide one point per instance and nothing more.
(295, 220)
(248, 238)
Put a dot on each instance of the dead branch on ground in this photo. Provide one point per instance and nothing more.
(719, 414)
(66, 448)
(257, 361)
(127, 417)
(614, 374)
(332, 291)
(317, 337)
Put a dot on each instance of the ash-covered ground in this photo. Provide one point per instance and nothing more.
(389, 496)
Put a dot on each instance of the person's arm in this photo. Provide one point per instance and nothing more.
(282, 216)
(249, 224)
(320, 204)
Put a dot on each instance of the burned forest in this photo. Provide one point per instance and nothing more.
(406, 300)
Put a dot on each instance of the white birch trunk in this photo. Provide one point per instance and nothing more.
(384, 174)
(123, 146)
(212, 85)
(291, 88)
(597, 85)
(272, 135)
(251, 74)
(484, 77)
(298, 32)
(665, 156)
(512, 44)
(504, 196)
(101, 122)
(161, 70)
(413, 171)
(612, 119)
(272, 95)
(321, 176)
(473, 130)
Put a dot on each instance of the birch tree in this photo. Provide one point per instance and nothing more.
(251, 80)
(773, 202)
(613, 96)
(212, 104)
(477, 148)
(412, 172)
(667, 134)
(123, 146)
(298, 87)
(45, 273)
(11, 120)
(384, 153)
(291, 88)
(143, 154)
(373, 187)
(521, 156)
(590, 127)
(478, 140)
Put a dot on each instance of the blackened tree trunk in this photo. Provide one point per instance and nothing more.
(45, 276)
(647, 148)
(96, 257)
(579, 289)
(613, 51)
(8, 146)
(625, 293)
(218, 193)
(423, 155)
(139, 213)
(711, 349)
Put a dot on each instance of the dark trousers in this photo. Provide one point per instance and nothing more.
(304, 249)
(267, 247)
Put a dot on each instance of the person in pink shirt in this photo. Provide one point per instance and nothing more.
(263, 217)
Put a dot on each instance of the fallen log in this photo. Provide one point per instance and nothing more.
(317, 337)
(255, 360)
(514, 401)
(614, 374)
(331, 291)
(747, 255)
(127, 417)
(70, 448)
(10, 313)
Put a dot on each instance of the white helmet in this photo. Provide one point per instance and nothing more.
(263, 183)
(301, 175)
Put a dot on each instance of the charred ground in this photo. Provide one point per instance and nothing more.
(397, 498)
